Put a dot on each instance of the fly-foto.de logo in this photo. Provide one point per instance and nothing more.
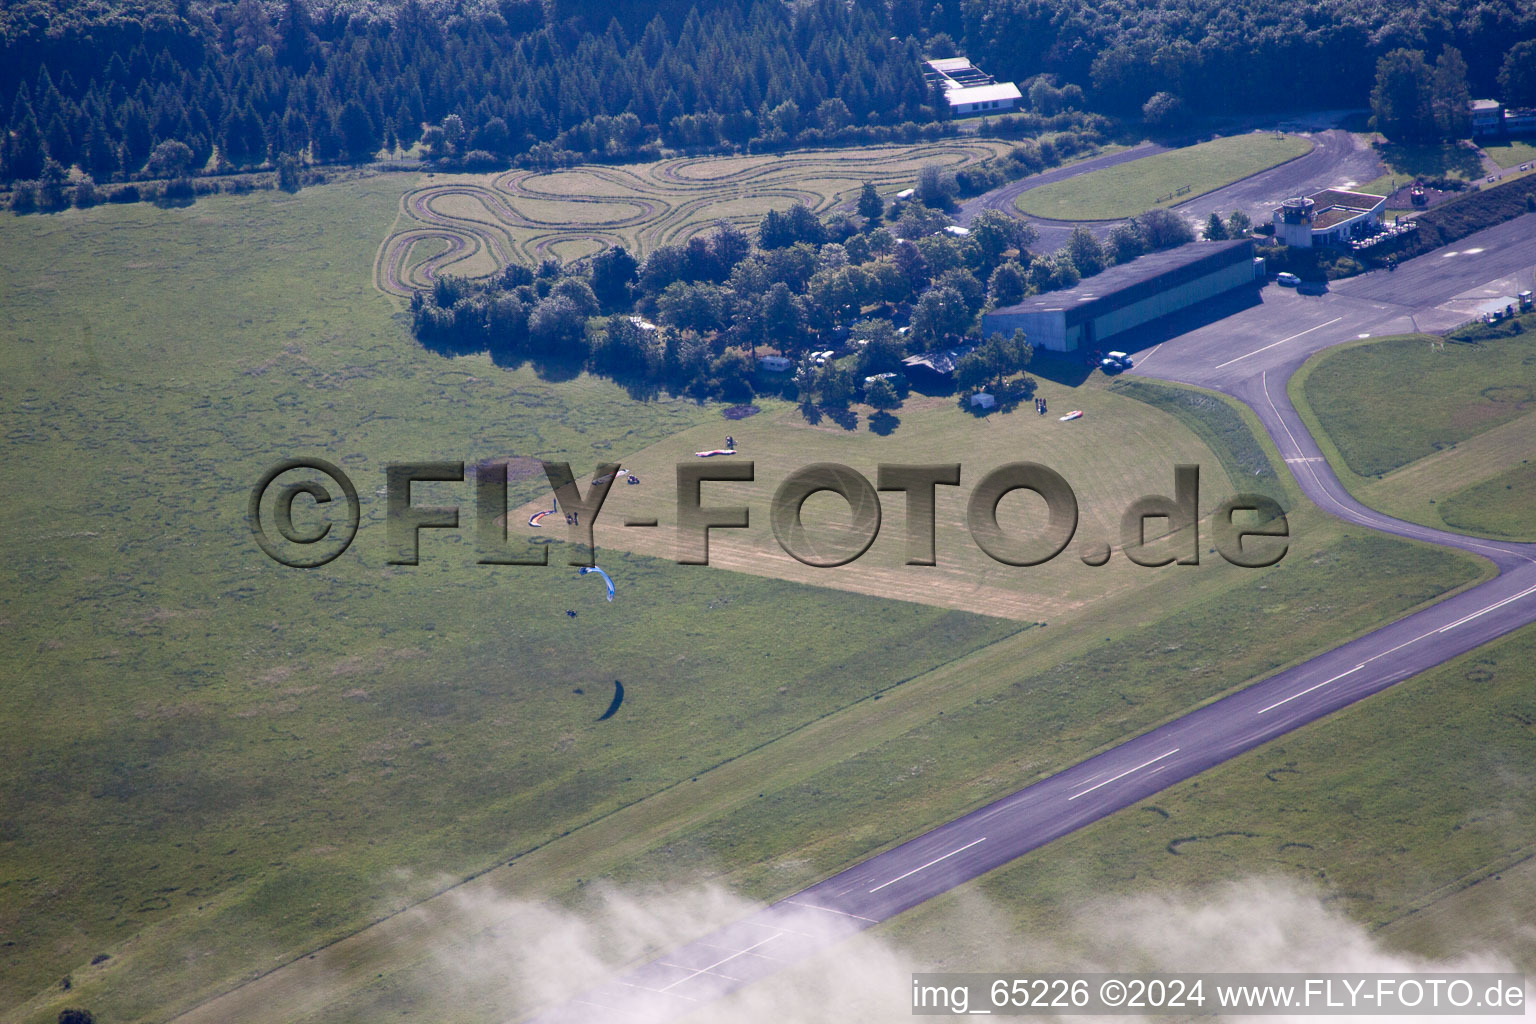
(1250, 530)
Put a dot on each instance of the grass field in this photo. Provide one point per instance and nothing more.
(439, 716)
(1501, 506)
(214, 765)
(856, 781)
(1423, 433)
(1510, 154)
(1164, 179)
(1390, 402)
(1232, 432)
(529, 216)
(1102, 457)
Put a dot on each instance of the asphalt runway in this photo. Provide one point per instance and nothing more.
(1249, 355)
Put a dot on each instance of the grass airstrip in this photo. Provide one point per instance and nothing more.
(230, 788)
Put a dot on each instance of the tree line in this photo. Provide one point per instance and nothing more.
(102, 87)
(243, 84)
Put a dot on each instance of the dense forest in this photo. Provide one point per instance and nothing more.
(1234, 55)
(102, 85)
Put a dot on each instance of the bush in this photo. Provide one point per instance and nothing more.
(289, 177)
(1445, 184)
(126, 194)
(482, 160)
(181, 190)
(24, 197)
(86, 194)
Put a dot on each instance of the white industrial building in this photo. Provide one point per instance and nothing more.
(1330, 217)
(1128, 295)
(1487, 117)
(968, 89)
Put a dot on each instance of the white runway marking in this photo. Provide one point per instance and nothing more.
(1117, 778)
(1282, 341)
(1461, 621)
(1309, 689)
(727, 977)
(717, 963)
(1485, 611)
(831, 910)
(713, 945)
(930, 864)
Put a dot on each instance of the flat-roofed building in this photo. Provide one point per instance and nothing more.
(1128, 295)
(1487, 117)
(1330, 217)
(1520, 121)
(968, 89)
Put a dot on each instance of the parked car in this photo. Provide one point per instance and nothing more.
(1287, 278)
(1312, 287)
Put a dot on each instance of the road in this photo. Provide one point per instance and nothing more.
(1247, 356)
(1337, 159)
(1053, 233)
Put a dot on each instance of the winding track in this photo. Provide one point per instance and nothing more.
(497, 219)
(1336, 159)
(1254, 369)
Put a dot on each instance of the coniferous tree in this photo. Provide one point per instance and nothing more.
(25, 154)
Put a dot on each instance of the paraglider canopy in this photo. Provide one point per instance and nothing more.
(606, 578)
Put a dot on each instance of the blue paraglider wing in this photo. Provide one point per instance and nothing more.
(606, 578)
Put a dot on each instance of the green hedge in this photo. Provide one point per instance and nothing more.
(1462, 216)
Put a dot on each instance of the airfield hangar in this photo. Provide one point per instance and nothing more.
(1128, 295)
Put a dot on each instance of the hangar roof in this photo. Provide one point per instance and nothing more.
(1125, 283)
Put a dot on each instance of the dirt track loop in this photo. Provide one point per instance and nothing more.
(527, 216)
